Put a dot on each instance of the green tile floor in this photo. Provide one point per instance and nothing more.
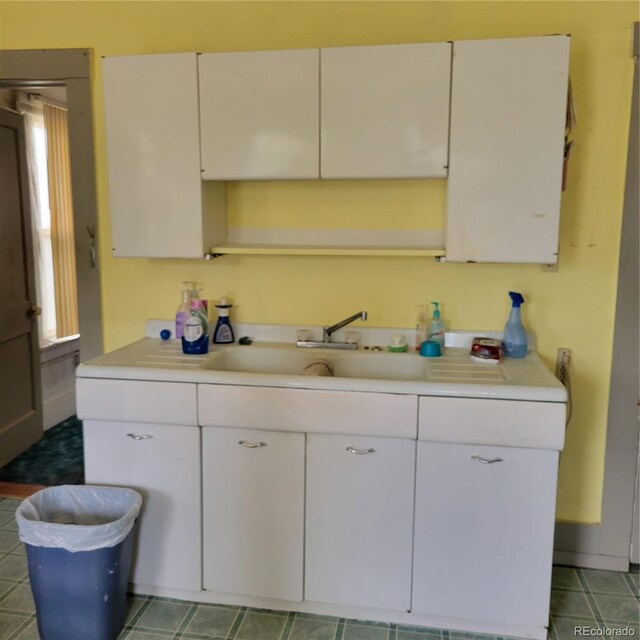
(598, 600)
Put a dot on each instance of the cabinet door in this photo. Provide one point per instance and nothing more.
(162, 462)
(151, 113)
(484, 532)
(508, 101)
(253, 502)
(385, 111)
(259, 114)
(359, 520)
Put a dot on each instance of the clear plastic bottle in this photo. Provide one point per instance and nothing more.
(436, 327)
(184, 311)
(515, 336)
(421, 327)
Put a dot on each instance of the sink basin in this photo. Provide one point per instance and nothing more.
(287, 360)
(254, 359)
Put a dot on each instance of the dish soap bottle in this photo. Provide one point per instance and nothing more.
(184, 311)
(196, 337)
(436, 328)
(421, 327)
(515, 337)
(223, 333)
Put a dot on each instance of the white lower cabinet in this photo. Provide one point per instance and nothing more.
(253, 506)
(162, 463)
(359, 520)
(484, 532)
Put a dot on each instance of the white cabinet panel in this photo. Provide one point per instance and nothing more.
(164, 466)
(508, 101)
(359, 521)
(136, 401)
(151, 113)
(513, 423)
(484, 532)
(378, 414)
(385, 111)
(253, 502)
(259, 114)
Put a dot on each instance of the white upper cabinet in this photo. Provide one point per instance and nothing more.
(385, 111)
(156, 199)
(508, 106)
(259, 115)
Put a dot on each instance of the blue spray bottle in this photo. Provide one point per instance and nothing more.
(515, 337)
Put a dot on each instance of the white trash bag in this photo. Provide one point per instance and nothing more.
(78, 517)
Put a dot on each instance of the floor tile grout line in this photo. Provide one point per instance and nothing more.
(593, 604)
(635, 589)
(237, 623)
(138, 614)
(18, 632)
(288, 625)
(186, 621)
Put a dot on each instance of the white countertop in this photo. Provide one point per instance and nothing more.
(452, 375)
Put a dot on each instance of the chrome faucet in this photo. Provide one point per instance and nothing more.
(327, 332)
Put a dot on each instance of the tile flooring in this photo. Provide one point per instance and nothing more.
(597, 600)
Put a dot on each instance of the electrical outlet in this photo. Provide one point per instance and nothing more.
(562, 365)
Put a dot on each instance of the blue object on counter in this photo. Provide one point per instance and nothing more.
(430, 349)
(165, 334)
(515, 337)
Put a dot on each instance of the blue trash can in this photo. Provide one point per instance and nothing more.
(79, 542)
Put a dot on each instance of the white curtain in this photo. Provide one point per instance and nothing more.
(32, 108)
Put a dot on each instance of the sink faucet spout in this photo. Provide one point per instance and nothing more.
(328, 331)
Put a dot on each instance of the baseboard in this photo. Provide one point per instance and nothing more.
(58, 409)
(591, 561)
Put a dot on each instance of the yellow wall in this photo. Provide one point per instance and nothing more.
(570, 308)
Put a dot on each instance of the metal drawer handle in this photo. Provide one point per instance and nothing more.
(477, 458)
(252, 445)
(135, 436)
(360, 451)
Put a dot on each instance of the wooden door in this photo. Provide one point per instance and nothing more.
(20, 394)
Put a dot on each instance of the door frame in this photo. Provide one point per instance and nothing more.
(607, 544)
(71, 68)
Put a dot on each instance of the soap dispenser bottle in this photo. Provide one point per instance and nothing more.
(421, 327)
(515, 336)
(223, 333)
(196, 328)
(183, 311)
(436, 327)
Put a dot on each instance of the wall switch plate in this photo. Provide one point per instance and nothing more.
(562, 365)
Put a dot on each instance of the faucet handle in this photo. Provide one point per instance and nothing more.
(351, 337)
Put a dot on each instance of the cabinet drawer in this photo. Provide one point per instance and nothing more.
(136, 401)
(536, 425)
(308, 410)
